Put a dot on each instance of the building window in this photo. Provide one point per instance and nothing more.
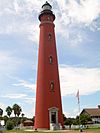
(50, 60)
(53, 117)
(48, 18)
(49, 36)
(52, 86)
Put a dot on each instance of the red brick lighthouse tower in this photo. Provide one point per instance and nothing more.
(48, 113)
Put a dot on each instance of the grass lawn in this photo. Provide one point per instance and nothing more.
(22, 131)
(95, 130)
(90, 130)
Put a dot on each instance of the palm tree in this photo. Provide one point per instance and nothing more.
(1, 112)
(9, 110)
(17, 109)
(22, 115)
(22, 119)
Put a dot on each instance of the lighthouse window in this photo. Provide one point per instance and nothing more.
(49, 36)
(50, 59)
(48, 18)
(52, 86)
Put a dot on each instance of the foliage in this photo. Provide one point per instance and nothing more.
(5, 118)
(69, 122)
(9, 125)
(17, 110)
(22, 115)
(64, 117)
(16, 121)
(33, 119)
(23, 118)
(75, 121)
(9, 110)
(84, 119)
(1, 112)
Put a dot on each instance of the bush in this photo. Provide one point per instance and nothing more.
(9, 125)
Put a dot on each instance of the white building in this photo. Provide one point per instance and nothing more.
(94, 113)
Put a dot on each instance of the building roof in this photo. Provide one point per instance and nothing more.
(47, 4)
(92, 111)
(28, 121)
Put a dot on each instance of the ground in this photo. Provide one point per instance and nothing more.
(66, 131)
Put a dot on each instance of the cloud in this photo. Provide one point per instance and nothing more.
(2, 105)
(30, 100)
(15, 96)
(8, 63)
(73, 16)
(25, 84)
(74, 78)
(19, 16)
(19, 96)
(71, 113)
(85, 11)
(30, 112)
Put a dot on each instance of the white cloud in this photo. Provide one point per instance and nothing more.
(72, 79)
(17, 16)
(30, 100)
(73, 17)
(2, 105)
(87, 80)
(24, 97)
(15, 96)
(84, 12)
(8, 63)
(30, 112)
(71, 113)
(77, 39)
(26, 84)
(67, 114)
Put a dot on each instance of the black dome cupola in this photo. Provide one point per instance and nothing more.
(46, 9)
(46, 6)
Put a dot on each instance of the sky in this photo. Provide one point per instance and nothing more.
(77, 29)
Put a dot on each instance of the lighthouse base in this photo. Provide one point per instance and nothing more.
(53, 117)
(54, 126)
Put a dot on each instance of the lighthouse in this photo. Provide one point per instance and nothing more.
(48, 111)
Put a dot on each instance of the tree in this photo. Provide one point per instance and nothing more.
(22, 119)
(22, 115)
(9, 125)
(9, 110)
(5, 118)
(33, 119)
(69, 121)
(1, 112)
(16, 121)
(17, 109)
(77, 120)
(84, 119)
(64, 117)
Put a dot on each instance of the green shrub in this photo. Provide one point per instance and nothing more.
(9, 125)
